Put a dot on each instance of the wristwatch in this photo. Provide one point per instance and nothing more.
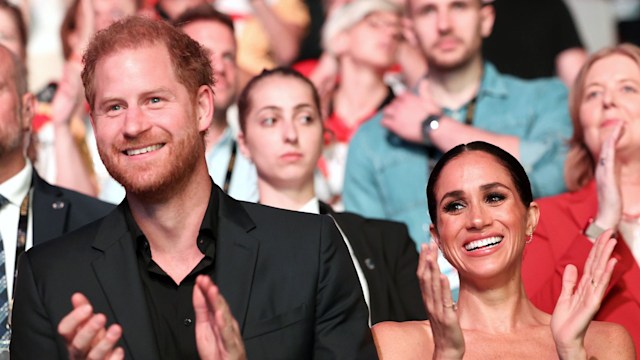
(593, 231)
(431, 123)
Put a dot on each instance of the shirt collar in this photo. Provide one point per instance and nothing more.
(492, 83)
(312, 207)
(208, 227)
(17, 187)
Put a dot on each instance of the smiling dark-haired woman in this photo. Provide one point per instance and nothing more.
(483, 217)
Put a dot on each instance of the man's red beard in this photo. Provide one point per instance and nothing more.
(156, 181)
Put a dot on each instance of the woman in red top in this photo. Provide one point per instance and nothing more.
(360, 39)
(602, 172)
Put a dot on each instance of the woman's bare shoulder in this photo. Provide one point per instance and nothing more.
(403, 340)
(606, 340)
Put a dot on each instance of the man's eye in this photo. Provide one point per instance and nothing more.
(115, 108)
(154, 100)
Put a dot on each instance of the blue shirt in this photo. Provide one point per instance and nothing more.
(386, 176)
(244, 178)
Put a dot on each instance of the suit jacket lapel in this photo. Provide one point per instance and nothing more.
(354, 228)
(356, 232)
(117, 273)
(236, 254)
(52, 209)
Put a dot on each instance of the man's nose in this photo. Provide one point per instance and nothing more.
(135, 122)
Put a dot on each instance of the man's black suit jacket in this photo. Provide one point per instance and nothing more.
(287, 277)
(389, 261)
(56, 210)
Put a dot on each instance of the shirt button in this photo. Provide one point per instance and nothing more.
(187, 322)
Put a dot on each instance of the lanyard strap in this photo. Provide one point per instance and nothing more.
(471, 111)
(232, 162)
(22, 234)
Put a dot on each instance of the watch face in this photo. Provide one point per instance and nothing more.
(429, 124)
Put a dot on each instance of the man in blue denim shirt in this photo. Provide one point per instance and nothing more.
(463, 99)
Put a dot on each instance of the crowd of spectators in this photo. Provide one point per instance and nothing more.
(387, 88)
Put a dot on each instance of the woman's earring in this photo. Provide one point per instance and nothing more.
(530, 239)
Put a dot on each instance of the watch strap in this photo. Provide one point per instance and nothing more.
(593, 230)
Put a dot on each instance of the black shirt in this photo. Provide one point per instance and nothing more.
(170, 305)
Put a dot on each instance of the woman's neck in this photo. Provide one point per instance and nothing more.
(290, 197)
(360, 92)
(497, 309)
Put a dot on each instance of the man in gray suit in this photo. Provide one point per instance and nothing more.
(141, 280)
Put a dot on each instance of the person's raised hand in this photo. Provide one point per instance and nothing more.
(405, 114)
(436, 295)
(217, 332)
(607, 184)
(68, 94)
(85, 334)
(577, 305)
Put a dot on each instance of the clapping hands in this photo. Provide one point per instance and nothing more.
(217, 332)
(86, 335)
(607, 184)
(576, 306)
(436, 295)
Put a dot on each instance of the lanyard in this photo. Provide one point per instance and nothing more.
(471, 111)
(22, 234)
(21, 243)
(232, 162)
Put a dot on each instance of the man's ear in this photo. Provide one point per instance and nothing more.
(28, 110)
(487, 19)
(204, 107)
(242, 144)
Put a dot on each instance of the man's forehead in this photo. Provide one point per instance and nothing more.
(413, 3)
(156, 51)
(203, 28)
(142, 61)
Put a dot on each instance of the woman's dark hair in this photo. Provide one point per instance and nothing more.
(516, 171)
(244, 100)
